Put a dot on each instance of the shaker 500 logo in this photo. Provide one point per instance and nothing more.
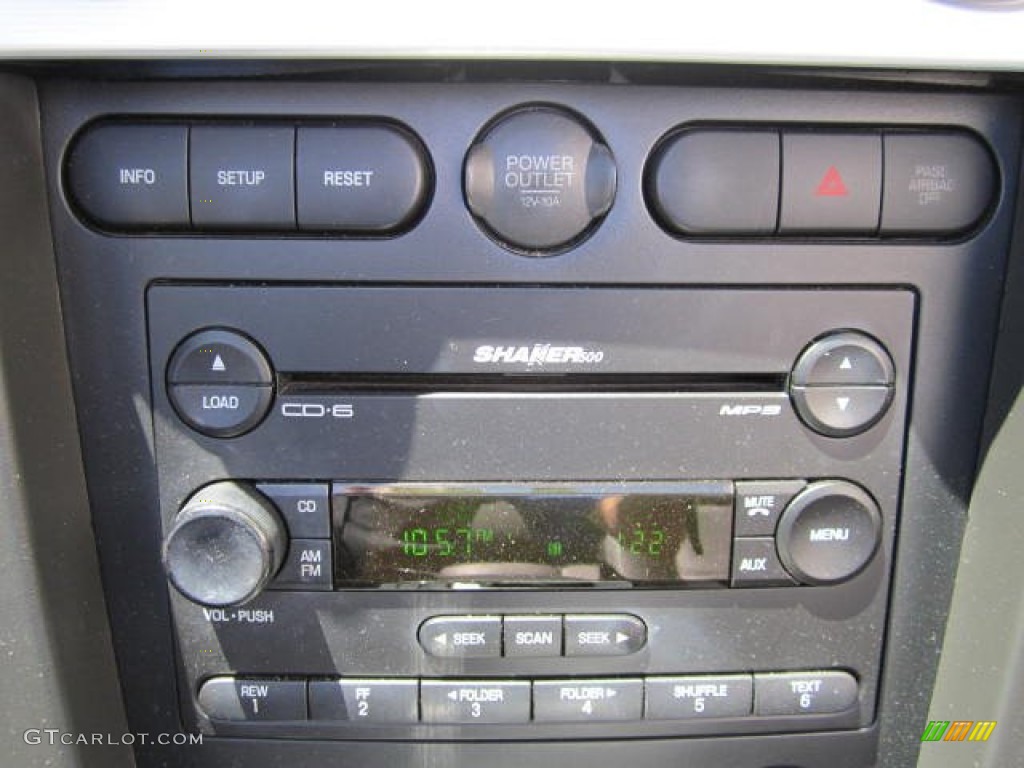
(538, 354)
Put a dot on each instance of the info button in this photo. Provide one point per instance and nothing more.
(462, 637)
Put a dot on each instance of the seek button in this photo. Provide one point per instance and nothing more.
(604, 635)
(462, 637)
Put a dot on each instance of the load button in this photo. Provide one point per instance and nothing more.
(603, 635)
(241, 699)
(220, 383)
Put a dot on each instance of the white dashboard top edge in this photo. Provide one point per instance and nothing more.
(926, 34)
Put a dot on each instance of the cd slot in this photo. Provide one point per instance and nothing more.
(425, 383)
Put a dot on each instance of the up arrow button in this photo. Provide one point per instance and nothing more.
(603, 635)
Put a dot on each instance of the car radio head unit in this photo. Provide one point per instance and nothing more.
(451, 476)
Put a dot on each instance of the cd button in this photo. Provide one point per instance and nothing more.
(580, 701)
(366, 701)
(604, 635)
(305, 507)
(806, 693)
(491, 701)
(683, 698)
(462, 637)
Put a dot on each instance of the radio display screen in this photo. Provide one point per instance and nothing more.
(646, 534)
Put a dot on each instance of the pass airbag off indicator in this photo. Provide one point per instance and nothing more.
(539, 180)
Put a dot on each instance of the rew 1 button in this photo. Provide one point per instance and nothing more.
(239, 699)
(539, 179)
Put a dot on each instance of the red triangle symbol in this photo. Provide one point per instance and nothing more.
(832, 184)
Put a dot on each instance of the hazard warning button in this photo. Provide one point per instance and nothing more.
(831, 183)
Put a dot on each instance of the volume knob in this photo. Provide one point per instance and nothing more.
(225, 545)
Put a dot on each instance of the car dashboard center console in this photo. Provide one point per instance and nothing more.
(448, 423)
